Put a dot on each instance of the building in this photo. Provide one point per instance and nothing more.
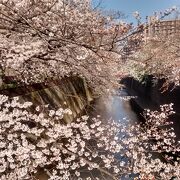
(153, 28)
(157, 27)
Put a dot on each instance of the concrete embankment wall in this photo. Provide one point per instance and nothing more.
(151, 95)
(70, 92)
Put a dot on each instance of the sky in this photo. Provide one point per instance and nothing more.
(144, 7)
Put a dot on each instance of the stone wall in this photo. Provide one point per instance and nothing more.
(70, 92)
(151, 95)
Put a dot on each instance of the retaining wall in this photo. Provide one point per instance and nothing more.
(151, 95)
(70, 92)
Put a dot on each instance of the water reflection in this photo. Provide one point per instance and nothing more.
(114, 107)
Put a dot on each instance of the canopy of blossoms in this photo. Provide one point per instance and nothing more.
(56, 38)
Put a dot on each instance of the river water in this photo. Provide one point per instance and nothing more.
(115, 107)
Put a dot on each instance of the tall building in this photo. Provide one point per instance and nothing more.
(155, 27)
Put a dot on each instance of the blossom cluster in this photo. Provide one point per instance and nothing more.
(158, 57)
(40, 142)
(53, 39)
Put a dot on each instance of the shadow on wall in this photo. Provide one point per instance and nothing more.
(70, 92)
(150, 95)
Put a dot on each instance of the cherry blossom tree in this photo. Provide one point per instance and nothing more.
(56, 38)
(36, 142)
(46, 39)
(158, 57)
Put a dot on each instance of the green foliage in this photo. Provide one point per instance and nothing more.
(8, 86)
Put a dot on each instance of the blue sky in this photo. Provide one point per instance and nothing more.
(145, 7)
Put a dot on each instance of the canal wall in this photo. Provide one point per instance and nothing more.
(150, 95)
(70, 92)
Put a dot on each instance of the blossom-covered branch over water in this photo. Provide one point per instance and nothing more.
(47, 39)
(33, 142)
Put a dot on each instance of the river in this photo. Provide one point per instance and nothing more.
(115, 107)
